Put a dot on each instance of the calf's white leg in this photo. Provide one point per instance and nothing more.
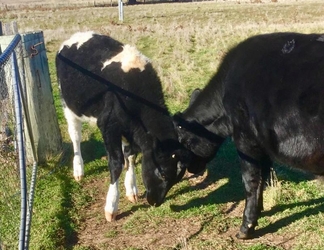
(112, 199)
(130, 179)
(74, 128)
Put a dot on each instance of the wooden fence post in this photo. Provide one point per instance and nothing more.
(41, 110)
(37, 91)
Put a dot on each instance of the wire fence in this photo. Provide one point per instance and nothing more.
(14, 205)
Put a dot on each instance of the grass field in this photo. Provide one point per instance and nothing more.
(185, 42)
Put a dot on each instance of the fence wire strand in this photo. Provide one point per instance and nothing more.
(15, 210)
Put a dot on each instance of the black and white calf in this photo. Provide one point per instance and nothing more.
(268, 94)
(116, 87)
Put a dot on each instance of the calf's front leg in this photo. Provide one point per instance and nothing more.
(254, 174)
(115, 158)
(112, 141)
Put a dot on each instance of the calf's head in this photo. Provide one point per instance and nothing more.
(162, 167)
(196, 137)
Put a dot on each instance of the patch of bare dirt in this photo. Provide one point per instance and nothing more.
(96, 233)
(170, 234)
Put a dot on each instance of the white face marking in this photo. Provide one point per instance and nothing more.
(158, 174)
(179, 169)
(78, 38)
(130, 58)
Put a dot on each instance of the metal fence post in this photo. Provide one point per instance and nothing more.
(20, 145)
(121, 10)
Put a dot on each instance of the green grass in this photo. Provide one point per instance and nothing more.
(185, 42)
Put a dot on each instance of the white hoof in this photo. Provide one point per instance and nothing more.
(78, 177)
(132, 198)
(110, 216)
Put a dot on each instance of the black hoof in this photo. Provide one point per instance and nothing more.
(245, 236)
(242, 236)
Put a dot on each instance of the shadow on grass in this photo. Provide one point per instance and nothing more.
(318, 207)
(226, 165)
(65, 233)
(133, 209)
(92, 149)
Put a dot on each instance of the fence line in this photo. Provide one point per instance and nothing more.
(29, 131)
(21, 153)
(12, 95)
(9, 55)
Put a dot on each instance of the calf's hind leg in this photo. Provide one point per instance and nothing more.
(74, 129)
(130, 180)
(130, 177)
